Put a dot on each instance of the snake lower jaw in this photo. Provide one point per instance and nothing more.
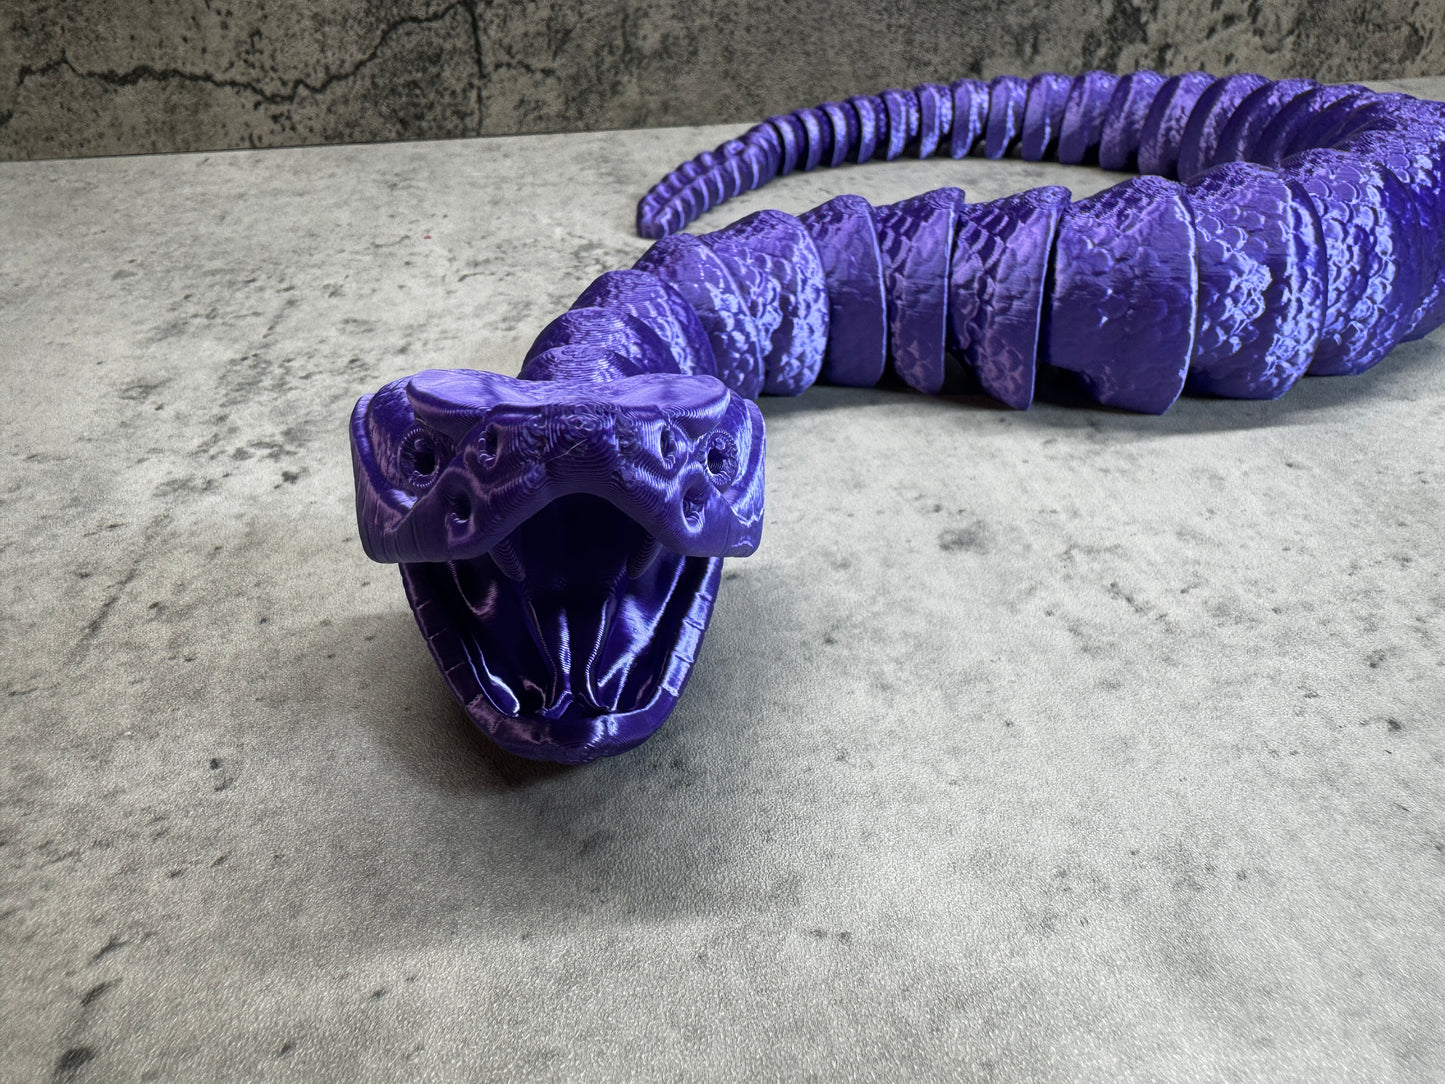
(612, 621)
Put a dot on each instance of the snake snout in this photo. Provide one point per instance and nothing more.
(482, 453)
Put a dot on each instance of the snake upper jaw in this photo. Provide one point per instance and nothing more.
(450, 463)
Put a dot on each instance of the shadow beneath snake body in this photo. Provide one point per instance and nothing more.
(1192, 413)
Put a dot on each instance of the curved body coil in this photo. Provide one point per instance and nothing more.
(561, 534)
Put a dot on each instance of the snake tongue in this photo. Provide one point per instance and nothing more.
(572, 563)
(570, 631)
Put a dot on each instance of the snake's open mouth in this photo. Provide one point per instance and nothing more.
(612, 626)
(560, 541)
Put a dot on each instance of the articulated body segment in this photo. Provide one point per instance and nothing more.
(561, 534)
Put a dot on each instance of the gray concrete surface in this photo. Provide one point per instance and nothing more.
(1064, 745)
(126, 76)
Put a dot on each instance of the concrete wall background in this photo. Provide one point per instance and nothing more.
(132, 76)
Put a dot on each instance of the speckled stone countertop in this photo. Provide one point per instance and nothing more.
(1064, 745)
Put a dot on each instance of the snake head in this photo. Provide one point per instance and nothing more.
(560, 541)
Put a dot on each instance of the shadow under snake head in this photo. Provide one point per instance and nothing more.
(560, 540)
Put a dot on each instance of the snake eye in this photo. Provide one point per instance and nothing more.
(420, 459)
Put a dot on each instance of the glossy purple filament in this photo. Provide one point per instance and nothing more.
(561, 534)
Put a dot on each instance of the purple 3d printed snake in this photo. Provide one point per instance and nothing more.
(561, 534)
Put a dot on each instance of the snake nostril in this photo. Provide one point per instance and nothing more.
(722, 460)
(693, 503)
(666, 444)
(461, 507)
(491, 441)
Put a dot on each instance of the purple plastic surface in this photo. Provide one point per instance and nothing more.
(997, 276)
(609, 331)
(496, 645)
(765, 137)
(1048, 94)
(1163, 129)
(817, 135)
(776, 266)
(1124, 119)
(844, 232)
(903, 121)
(843, 124)
(1085, 111)
(734, 169)
(661, 308)
(1253, 116)
(484, 487)
(872, 126)
(1211, 113)
(1418, 161)
(915, 238)
(705, 283)
(1371, 234)
(1262, 285)
(970, 116)
(560, 536)
(1368, 112)
(1007, 97)
(790, 138)
(1124, 290)
(935, 116)
(1289, 131)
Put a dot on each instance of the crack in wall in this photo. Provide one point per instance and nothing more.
(148, 73)
(471, 6)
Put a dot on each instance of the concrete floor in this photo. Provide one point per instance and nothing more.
(1065, 745)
